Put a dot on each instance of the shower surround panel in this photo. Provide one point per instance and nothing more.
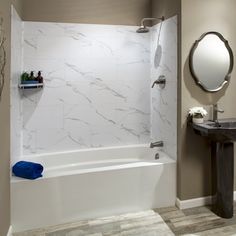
(97, 87)
(16, 69)
(164, 101)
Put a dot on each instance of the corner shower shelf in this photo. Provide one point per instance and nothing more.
(31, 86)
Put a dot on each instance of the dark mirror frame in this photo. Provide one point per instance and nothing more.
(2, 57)
(191, 67)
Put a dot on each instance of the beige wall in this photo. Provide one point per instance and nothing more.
(194, 156)
(18, 6)
(90, 11)
(166, 8)
(5, 130)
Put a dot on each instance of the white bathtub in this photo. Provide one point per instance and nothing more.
(93, 183)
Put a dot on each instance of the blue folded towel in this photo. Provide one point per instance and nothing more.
(27, 170)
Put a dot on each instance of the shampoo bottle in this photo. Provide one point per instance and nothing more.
(40, 78)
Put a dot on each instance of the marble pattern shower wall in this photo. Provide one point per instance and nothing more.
(97, 87)
(16, 68)
(164, 101)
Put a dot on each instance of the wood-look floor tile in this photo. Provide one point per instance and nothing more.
(172, 215)
(147, 223)
(227, 230)
(196, 221)
(197, 210)
(199, 221)
(198, 227)
(166, 209)
(193, 219)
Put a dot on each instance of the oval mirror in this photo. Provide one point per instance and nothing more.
(211, 61)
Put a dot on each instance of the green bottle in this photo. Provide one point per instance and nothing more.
(24, 77)
(31, 77)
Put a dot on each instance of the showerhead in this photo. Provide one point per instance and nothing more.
(143, 28)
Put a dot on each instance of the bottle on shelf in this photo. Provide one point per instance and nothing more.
(40, 78)
(24, 77)
(31, 77)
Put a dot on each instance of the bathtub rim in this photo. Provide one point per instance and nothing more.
(137, 163)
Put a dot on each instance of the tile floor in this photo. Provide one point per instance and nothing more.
(197, 221)
(147, 223)
(160, 222)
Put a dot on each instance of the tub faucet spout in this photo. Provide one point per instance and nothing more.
(157, 144)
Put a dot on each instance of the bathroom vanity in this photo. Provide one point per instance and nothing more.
(222, 134)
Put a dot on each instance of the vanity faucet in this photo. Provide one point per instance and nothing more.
(216, 110)
(157, 144)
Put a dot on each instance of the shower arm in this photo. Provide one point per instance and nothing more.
(151, 19)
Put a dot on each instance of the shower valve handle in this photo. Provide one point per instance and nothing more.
(160, 81)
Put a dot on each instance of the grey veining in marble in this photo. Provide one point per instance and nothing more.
(97, 87)
(96, 91)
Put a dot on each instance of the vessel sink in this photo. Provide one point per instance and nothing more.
(224, 125)
(223, 130)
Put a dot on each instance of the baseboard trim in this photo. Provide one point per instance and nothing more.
(195, 202)
(9, 233)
